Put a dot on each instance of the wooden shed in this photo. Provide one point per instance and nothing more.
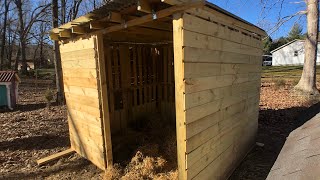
(190, 61)
(9, 83)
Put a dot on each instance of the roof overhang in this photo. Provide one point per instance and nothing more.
(117, 15)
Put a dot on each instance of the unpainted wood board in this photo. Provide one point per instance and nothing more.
(210, 152)
(96, 156)
(202, 97)
(192, 39)
(84, 117)
(203, 55)
(77, 44)
(203, 26)
(205, 83)
(82, 100)
(81, 91)
(80, 82)
(213, 15)
(202, 137)
(202, 124)
(84, 108)
(76, 64)
(178, 34)
(79, 55)
(85, 123)
(55, 156)
(80, 73)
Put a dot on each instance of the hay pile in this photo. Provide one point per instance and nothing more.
(154, 155)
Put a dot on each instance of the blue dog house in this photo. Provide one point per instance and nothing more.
(9, 82)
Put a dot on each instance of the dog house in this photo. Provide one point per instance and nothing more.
(9, 83)
(189, 61)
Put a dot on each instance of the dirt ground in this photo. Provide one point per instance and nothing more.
(31, 132)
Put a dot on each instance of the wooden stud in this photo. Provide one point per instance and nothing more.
(178, 37)
(144, 6)
(105, 117)
(54, 157)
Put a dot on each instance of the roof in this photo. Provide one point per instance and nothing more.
(300, 155)
(286, 45)
(120, 12)
(7, 76)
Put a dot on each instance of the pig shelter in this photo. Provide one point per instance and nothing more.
(191, 62)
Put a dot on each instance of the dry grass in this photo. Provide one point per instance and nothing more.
(154, 158)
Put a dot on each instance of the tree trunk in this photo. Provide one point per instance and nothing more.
(57, 58)
(22, 37)
(3, 40)
(307, 83)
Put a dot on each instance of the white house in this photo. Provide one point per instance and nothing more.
(291, 54)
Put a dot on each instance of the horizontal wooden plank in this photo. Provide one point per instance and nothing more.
(76, 64)
(94, 111)
(202, 111)
(203, 124)
(83, 117)
(81, 91)
(205, 83)
(222, 144)
(204, 55)
(193, 70)
(89, 151)
(84, 42)
(79, 55)
(93, 102)
(81, 82)
(246, 89)
(216, 16)
(203, 26)
(192, 39)
(80, 73)
(202, 137)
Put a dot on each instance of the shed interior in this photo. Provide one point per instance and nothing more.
(140, 80)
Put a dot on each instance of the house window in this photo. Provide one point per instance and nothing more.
(295, 53)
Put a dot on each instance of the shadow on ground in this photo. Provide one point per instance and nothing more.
(274, 127)
(45, 141)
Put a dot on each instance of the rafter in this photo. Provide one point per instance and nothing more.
(144, 6)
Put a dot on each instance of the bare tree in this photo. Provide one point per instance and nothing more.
(57, 58)
(4, 31)
(307, 83)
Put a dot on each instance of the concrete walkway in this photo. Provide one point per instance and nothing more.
(299, 158)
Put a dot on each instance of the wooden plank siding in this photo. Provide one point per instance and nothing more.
(79, 60)
(221, 71)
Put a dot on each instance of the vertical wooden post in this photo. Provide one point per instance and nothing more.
(103, 100)
(179, 93)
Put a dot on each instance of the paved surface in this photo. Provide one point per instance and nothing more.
(299, 158)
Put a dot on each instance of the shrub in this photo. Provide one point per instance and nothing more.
(279, 83)
(49, 97)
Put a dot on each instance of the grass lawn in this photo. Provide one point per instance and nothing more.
(290, 73)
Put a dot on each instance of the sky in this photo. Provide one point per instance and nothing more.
(252, 11)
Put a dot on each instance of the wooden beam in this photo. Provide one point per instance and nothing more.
(160, 14)
(171, 2)
(78, 30)
(54, 36)
(54, 156)
(96, 25)
(65, 33)
(144, 6)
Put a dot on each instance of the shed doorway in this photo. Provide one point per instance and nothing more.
(141, 96)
